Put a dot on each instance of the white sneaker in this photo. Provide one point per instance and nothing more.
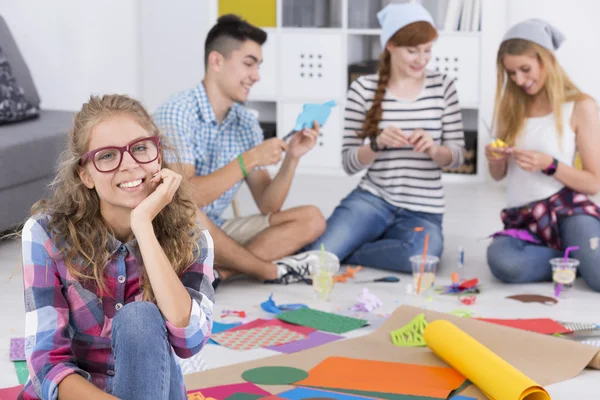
(298, 267)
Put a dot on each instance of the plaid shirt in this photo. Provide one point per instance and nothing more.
(68, 326)
(542, 218)
(189, 121)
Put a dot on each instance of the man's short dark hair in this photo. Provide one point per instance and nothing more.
(229, 33)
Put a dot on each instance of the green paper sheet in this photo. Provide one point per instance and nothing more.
(321, 320)
(274, 375)
(245, 396)
(22, 371)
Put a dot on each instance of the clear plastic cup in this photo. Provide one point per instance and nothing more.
(429, 265)
(564, 273)
(322, 275)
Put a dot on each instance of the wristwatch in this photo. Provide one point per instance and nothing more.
(374, 145)
(551, 169)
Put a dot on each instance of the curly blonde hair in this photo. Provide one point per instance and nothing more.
(79, 231)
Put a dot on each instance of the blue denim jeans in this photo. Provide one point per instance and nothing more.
(145, 366)
(514, 261)
(366, 230)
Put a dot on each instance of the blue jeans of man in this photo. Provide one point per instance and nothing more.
(145, 366)
(515, 261)
(366, 230)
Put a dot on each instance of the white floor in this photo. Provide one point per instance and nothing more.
(472, 215)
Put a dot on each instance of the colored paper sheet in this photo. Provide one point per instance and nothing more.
(381, 376)
(10, 393)
(22, 371)
(274, 375)
(321, 320)
(545, 326)
(480, 365)
(314, 339)
(17, 349)
(219, 327)
(305, 330)
(254, 338)
(307, 393)
(391, 396)
(245, 396)
(222, 392)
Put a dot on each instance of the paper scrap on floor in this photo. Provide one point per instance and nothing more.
(322, 321)
(544, 326)
(247, 339)
(224, 391)
(382, 376)
(314, 339)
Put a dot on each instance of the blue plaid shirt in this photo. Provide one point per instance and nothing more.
(189, 122)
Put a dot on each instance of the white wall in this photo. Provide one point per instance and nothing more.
(172, 46)
(74, 48)
(152, 49)
(578, 20)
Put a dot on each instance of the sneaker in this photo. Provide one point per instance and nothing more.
(298, 267)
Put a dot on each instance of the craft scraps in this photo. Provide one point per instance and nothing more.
(349, 274)
(467, 300)
(383, 376)
(226, 313)
(17, 349)
(464, 287)
(270, 306)
(222, 392)
(277, 375)
(219, 327)
(321, 320)
(545, 326)
(260, 323)
(367, 302)
(534, 298)
(313, 339)
(410, 335)
(302, 393)
(247, 339)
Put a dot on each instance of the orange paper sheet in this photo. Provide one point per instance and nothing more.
(383, 377)
(495, 377)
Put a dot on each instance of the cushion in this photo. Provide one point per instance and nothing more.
(30, 149)
(13, 105)
(17, 63)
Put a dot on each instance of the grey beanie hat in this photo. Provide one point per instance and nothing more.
(537, 31)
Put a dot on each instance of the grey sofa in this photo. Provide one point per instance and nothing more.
(29, 150)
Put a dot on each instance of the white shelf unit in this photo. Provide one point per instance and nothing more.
(309, 64)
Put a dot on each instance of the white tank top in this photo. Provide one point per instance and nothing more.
(539, 134)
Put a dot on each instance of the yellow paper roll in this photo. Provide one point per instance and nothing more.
(496, 378)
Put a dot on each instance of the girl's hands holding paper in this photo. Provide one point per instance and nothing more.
(422, 142)
(391, 137)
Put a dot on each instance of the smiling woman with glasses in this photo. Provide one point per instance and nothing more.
(118, 276)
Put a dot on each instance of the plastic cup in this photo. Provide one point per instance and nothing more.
(564, 273)
(430, 267)
(322, 275)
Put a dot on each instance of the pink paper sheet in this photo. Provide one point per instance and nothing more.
(222, 392)
(305, 330)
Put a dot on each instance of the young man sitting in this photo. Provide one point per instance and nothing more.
(220, 143)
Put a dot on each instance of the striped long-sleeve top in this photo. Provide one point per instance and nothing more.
(68, 325)
(401, 176)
